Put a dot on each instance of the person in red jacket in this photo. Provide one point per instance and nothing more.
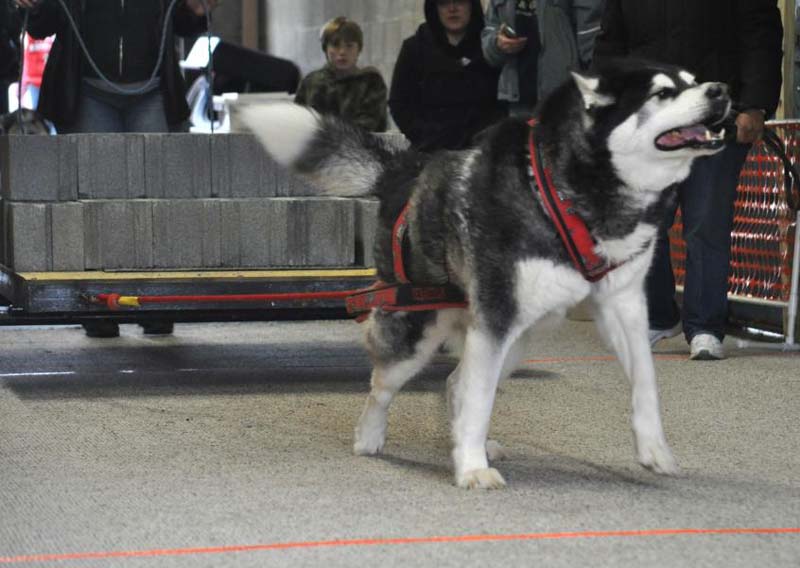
(36, 52)
(738, 42)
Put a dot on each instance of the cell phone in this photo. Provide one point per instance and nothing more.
(508, 31)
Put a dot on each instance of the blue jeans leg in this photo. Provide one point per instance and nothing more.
(94, 115)
(113, 112)
(663, 311)
(145, 113)
(707, 200)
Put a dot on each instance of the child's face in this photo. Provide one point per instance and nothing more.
(343, 55)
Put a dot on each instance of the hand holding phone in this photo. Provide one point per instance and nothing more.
(508, 31)
(508, 40)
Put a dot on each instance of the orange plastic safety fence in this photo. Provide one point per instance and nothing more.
(763, 225)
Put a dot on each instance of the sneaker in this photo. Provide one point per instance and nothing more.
(706, 347)
(657, 335)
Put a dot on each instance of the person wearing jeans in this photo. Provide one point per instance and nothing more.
(706, 200)
(737, 42)
(130, 93)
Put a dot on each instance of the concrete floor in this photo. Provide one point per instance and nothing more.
(229, 445)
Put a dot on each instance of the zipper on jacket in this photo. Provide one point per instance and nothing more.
(121, 40)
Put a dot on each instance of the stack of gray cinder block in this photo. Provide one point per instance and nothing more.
(168, 201)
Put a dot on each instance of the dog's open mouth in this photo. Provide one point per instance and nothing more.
(697, 136)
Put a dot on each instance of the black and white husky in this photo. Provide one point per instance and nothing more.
(613, 142)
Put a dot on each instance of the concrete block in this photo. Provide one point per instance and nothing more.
(186, 234)
(240, 168)
(230, 233)
(253, 233)
(288, 232)
(264, 226)
(67, 236)
(38, 168)
(321, 232)
(118, 234)
(177, 166)
(290, 185)
(366, 223)
(110, 166)
(211, 242)
(28, 237)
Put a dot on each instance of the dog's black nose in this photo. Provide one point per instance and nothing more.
(716, 90)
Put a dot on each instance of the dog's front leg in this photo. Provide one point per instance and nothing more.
(472, 392)
(622, 317)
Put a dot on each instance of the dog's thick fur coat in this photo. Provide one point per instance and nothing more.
(613, 142)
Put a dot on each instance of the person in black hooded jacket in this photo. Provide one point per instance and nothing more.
(123, 38)
(9, 51)
(443, 92)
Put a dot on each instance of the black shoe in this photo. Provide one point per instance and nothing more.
(157, 328)
(101, 329)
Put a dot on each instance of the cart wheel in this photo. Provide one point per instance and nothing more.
(101, 329)
(157, 328)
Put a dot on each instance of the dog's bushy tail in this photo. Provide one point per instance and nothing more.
(336, 157)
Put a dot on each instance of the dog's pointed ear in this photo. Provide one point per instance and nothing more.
(588, 87)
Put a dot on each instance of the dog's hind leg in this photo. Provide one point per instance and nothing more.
(622, 317)
(400, 344)
(472, 388)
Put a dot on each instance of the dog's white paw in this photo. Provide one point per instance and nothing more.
(494, 451)
(369, 441)
(371, 429)
(488, 478)
(369, 444)
(655, 455)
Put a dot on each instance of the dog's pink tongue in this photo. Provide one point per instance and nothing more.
(683, 135)
(694, 132)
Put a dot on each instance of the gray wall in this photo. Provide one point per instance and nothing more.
(293, 28)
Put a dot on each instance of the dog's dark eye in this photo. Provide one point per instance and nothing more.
(664, 93)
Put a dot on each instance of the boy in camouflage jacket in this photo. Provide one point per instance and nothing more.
(342, 88)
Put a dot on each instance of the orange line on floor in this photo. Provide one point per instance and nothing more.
(392, 542)
(656, 356)
(600, 358)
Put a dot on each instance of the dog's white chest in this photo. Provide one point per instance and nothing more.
(543, 287)
(617, 251)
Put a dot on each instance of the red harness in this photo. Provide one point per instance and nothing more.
(403, 296)
(571, 228)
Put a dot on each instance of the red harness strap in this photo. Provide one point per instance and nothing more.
(403, 296)
(398, 234)
(571, 228)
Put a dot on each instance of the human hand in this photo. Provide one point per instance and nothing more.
(749, 126)
(198, 7)
(510, 45)
(27, 4)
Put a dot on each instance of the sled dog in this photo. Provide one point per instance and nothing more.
(610, 144)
